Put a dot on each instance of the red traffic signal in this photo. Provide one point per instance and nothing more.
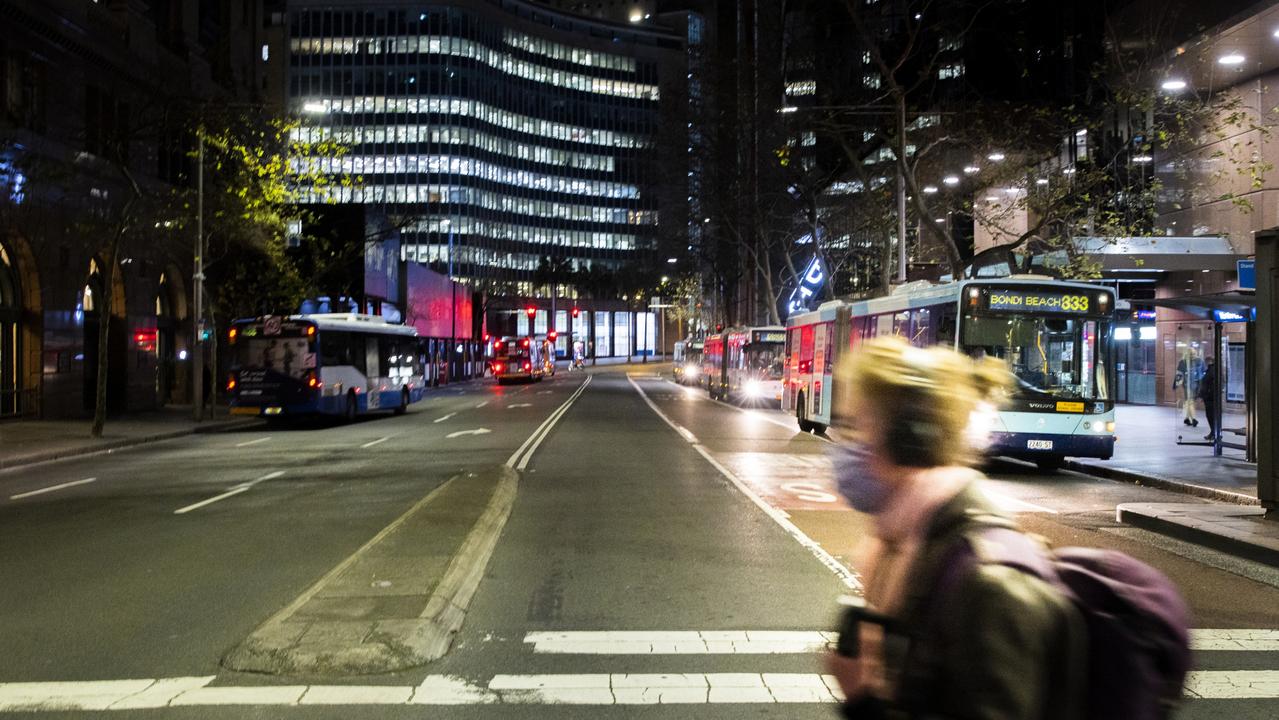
(531, 310)
(554, 334)
(575, 312)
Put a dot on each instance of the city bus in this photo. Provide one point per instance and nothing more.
(1054, 335)
(745, 364)
(323, 364)
(518, 358)
(688, 361)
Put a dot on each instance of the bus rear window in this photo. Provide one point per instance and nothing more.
(288, 356)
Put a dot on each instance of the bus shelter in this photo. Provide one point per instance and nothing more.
(1224, 366)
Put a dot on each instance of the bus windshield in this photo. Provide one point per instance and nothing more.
(765, 359)
(1052, 357)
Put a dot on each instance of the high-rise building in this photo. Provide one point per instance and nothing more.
(512, 145)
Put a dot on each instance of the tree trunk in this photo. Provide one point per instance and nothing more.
(111, 265)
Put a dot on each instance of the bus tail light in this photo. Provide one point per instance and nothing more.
(528, 366)
(312, 381)
(231, 383)
(497, 368)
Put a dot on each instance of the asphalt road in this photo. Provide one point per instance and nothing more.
(671, 548)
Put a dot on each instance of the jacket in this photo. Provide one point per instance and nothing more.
(1003, 645)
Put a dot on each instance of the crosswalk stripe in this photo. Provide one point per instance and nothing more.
(686, 642)
(776, 642)
(514, 689)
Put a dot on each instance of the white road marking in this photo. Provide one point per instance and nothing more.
(1251, 640)
(518, 689)
(52, 488)
(520, 458)
(1012, 504)
(242, 487)
(252, 442)
(477, 407)
(379, 441)
(1233, 684)
(442, 419)
(518, 405)
(845, 574)
(545, 392)
(460, 433)
(683, 642)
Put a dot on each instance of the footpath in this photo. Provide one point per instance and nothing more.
(26, 442)
(1157, 449)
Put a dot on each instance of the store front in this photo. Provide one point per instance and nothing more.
(1135, 346)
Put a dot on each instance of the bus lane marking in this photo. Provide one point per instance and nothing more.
(52, 488)
(247, 443)
(520, 459)
(486, 402)
(442, 419)
(519, 405)
(243, 487)
(845, 574)
(379, 441)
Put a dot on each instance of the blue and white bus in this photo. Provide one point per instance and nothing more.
(324, 364)
(1054, 335)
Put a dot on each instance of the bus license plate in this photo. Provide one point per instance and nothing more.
(245, 411)
(1039, 444)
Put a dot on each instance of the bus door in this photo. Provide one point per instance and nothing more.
(372, 373)
(821, 341)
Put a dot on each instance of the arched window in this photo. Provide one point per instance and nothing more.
(10, 337)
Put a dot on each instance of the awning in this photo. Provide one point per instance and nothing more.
(1156, 254)
(1220, 307)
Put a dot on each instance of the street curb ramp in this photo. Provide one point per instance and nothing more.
(355, 621)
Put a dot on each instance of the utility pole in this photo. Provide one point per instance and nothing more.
(452, 350)
(197, 284)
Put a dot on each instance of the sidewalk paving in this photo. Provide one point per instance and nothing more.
(1148, 453)
(24, 442)
(1234, 529)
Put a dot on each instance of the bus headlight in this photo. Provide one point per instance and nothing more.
(752, 388)
(690, 371)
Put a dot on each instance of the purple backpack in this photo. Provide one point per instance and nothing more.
(1138, 624)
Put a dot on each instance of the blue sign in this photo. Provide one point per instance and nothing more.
(810, 284)
(1228, 316)
(1247, 270)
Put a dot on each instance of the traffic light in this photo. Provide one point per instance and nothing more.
(576, 311)
(531, 310)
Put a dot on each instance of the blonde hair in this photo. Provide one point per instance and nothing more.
(925, 397)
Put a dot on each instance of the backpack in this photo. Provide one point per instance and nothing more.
(1138, 624)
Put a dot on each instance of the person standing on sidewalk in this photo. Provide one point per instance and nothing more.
(1209, 394)
(1189, 369)
(936, 637)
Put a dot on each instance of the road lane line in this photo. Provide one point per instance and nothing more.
(477, 407)
(848, 576)
(52, 488)
(379, 441)
(530, 444)
(242, 487)
(442, 419)
(460, 433)
(1234, 639)
(519, 405)
(252, 442)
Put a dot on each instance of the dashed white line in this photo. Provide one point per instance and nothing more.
(243, 487)
(379, 441)
(252, 442)
(480, 405)
(52, 488)
(442, 419)
(460, 433)
(519, 405)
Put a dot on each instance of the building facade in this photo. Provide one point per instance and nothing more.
(85, 88)
(514, 147)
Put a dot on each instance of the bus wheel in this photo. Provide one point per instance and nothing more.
(1051, 463)
(801, 415)
(352, 408)
(404, 403)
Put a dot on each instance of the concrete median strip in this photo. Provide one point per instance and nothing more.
(399, 600)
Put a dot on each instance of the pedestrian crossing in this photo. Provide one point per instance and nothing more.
(640, 649)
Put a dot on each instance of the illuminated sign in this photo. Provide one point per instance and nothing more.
(1227, 316)
(1030, 301)
(769, 336)
(1070, 407)
(810, 283)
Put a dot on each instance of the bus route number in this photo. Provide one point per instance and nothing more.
(1038, 301)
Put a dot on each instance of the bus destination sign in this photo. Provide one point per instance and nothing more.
(1033, 301)
(769, 336)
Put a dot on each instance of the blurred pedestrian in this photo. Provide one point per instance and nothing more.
(990, 642)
